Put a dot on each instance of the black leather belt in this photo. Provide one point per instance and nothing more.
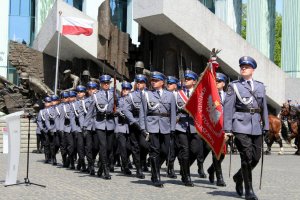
(249, 110)
(181, 111)
(104, 116)
(159, 114)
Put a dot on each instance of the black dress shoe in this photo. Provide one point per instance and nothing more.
(238, 185)
(211, 175)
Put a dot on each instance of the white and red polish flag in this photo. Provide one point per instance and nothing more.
(76, 26)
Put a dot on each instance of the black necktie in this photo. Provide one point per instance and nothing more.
(106, 92)
(249, 82)
(158, 92)
(220, 94)
(188, 93)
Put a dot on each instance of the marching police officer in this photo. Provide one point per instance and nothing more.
(216, 165)
(77, 119)
(65, 131)
(102, 108)
(189, 142)
(92, 144)
(53, 126)
(158, 118)
(172, 83)
(122, 129)
(245, 107)
(139, 145)
(41, 124)
(72, 137)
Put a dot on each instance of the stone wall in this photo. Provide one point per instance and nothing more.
(26, 59)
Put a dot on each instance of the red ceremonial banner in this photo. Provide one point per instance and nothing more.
(205, 107)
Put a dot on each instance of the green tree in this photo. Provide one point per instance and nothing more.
(278, 33)
(244, 21)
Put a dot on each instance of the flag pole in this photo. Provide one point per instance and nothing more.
(57, 52)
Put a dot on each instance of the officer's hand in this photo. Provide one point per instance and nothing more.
(52, 133)
(146, 135)
(136, 126)
(172, 133)
(83, 129)
(265, 132)
(228, 135)
(85, 133)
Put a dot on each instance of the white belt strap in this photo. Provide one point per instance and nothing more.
(83, 106)
(98, 107)
(65, 110)
(42, 115)
(147, 99)
(239, 96)
(75, 111)
(134, 105)
(57, 110)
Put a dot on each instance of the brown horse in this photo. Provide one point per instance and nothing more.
(274, 134)
(291, 115)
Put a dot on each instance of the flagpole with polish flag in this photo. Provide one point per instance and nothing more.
(70, 26)
(57, 52)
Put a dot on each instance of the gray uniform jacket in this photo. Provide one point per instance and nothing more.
(245, 122)
(77, 115)
(184, 120)
(158, 113)
(64, 118)
(52, 118)
(132, 106)
(40, 121)
(99, 107)
(88, 124)
(121, 121)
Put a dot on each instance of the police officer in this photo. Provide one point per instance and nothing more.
(65, 131)
(53, 126)
(189, 142)
(122, 129)
(41, 124)
(244, 108)
(216, 165)
(92, 144)
(172, 83)
(72, 137)
(139, 145)
(158, 118)
(77, 119)
(101, 109)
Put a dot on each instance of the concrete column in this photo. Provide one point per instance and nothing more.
(261, 26)
(230, 11)
(290, 47)
(132, 26)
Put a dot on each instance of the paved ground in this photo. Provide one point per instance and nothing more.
(280, 181)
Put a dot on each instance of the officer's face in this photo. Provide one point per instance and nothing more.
(71, 99)
(65, 100)
(48, 104)
(157, 84)
(55, 103)
(246, 71)
(189, 83)
(140, 85)
(125, 91)
(171, 87)
(80, 95)
(91, 91)
(220, 84)
(105, 85)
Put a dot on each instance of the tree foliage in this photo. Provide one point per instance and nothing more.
(278, 33)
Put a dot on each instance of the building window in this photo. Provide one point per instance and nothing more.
(119, 13)
(75, 3)
(21, 20)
